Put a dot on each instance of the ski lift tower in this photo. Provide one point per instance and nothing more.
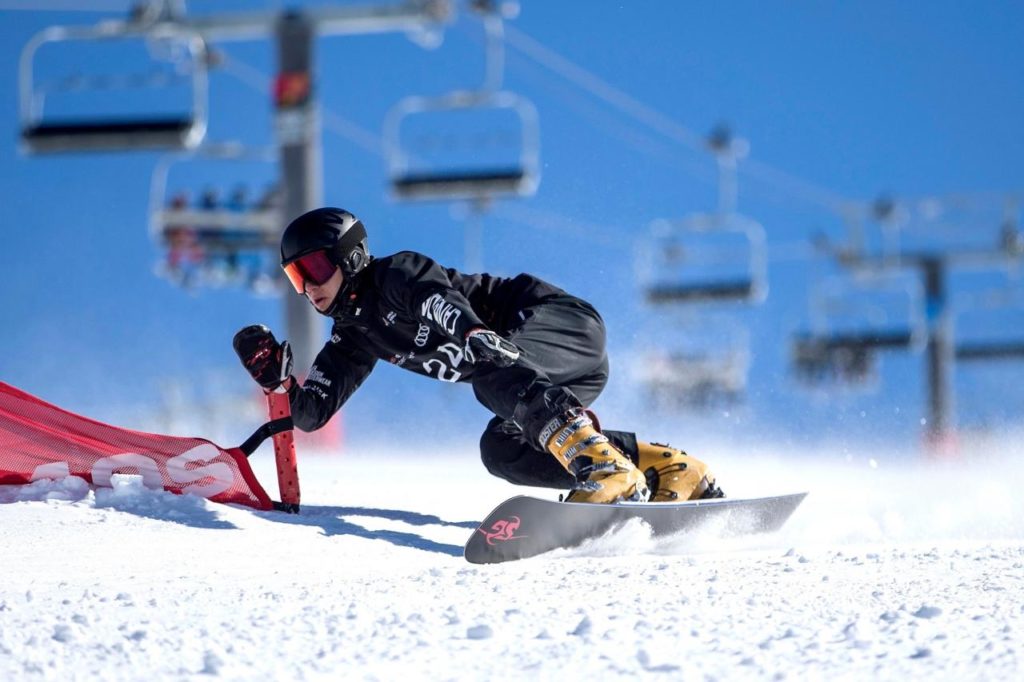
(297, 125)
(815, 353)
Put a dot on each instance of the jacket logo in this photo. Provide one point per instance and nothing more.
(390, 318)
(438, 310)
(316, 376)
(422, 334)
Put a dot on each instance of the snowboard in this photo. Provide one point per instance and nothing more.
(524, 526)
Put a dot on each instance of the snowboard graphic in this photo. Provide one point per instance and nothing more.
(524, 526)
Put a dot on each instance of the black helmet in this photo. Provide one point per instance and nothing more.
(333, 230)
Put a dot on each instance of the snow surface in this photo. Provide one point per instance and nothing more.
(893, 568)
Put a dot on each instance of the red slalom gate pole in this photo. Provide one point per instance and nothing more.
(284, 455)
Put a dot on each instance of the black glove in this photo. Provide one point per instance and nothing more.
(268, 361)
(483, 345)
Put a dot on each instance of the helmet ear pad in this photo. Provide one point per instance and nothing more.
(356, 260)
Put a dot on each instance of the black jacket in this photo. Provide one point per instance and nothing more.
(409, 310)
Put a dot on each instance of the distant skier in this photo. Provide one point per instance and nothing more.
(534, 354)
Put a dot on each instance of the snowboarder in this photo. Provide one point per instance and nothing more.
(534, 354)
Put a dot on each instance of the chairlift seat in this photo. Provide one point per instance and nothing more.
(990, 351)
(866, 340)
(741, 289)
(462, 183)
(111, 135)
(219, 241)
(222, 230)
(233, 242)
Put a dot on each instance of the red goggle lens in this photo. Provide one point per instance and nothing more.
(315, 268)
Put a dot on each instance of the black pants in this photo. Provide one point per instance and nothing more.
(562, 339)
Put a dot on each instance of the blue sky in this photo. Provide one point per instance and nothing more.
(854, 99)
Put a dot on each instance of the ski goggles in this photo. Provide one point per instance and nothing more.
(315, 268)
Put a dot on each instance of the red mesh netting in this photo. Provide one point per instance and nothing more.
(40, 440)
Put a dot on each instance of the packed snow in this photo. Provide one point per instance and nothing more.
(893, 568)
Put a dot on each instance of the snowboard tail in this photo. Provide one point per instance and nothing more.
(524, 526)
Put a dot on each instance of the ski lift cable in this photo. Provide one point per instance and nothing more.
(260, 81)
(65, 6)
(343, 127)
(639, 141)
(795, 251)
(602, 89)
(663, 124)
(797, 187)
(547, 219)
(635, 138)
(967, 200)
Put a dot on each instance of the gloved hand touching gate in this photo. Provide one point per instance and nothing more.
(269, 362)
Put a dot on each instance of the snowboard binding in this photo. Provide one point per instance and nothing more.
(674, 476)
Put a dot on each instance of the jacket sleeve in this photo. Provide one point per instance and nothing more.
(339, 369)
(424, 290)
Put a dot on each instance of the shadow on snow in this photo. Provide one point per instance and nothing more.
(192, 511)
(330, 520)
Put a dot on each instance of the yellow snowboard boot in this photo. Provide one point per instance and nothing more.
(603, 473)
(674, 476)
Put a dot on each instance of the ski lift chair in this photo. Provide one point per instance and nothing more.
(411, 180)
(41, 135)
(883, 309)
(693, 360)
(211, 241)
(829, 361)
(991, 321)
(696, 380)
(668, 270)
(848, 329)
(224, 227)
